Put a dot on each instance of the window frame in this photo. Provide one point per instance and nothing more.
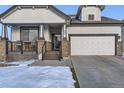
(28, 27)
(91, 17)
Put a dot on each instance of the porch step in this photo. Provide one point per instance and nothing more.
(51, 55)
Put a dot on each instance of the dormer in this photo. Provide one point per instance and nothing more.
(90, 12)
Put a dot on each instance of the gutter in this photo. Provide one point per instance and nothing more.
(96, 23)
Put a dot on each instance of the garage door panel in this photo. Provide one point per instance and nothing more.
(93, 45)
(92, 52)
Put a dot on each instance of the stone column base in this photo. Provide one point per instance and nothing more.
(65, 48)
(119, 48)
(48, 46)
(3, 48)
(40, 44)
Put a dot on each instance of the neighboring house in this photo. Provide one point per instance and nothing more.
(85, 33)
(123, 40)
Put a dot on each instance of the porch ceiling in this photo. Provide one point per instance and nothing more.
(55, 25)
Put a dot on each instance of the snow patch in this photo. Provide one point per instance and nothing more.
(123, 54)
(24, 76)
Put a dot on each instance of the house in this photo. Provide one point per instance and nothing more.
(44, 31)
(123, 40)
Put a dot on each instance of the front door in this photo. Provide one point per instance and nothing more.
(56, 42)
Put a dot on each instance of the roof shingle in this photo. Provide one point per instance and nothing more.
(103, 20)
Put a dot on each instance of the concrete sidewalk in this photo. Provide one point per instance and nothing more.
(52, 63)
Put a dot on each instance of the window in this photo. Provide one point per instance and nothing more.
(29, 33)
(91, 17)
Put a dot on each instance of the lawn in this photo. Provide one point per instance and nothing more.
(21, 75)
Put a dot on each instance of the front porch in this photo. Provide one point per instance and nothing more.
(34, 28)
(44, 42)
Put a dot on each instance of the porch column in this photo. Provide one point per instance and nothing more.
(64, 31)
(3, 44)
(4, 32)
(40, 43)
(41, 36)
(65, 44)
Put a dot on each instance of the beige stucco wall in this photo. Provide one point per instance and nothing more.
(90, 10)
(94, 30)
(42, 15)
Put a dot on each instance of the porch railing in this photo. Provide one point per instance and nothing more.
(21, 46)
(60, 52)
(43, 50)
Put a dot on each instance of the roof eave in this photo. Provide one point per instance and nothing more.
(64, 15)
(50, 6)
(99, 23)
(4, 13)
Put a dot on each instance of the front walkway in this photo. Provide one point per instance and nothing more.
(52, 63)
(99, 71)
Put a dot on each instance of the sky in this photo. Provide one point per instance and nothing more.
(112, 11)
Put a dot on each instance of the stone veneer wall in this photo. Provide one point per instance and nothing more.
(40, 44)
(18, 57)
(3, 56)
(65, 48)
(119, 48)
(48, 46)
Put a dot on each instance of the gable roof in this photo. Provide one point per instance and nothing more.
(101, 7)
(103, 21)
(110, 20)
(73, 18)
(52, 8)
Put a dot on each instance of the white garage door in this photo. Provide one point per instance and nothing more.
(93, 45)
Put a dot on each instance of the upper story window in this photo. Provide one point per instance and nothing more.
(91, 17)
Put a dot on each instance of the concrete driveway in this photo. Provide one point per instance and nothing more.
(99, 71)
